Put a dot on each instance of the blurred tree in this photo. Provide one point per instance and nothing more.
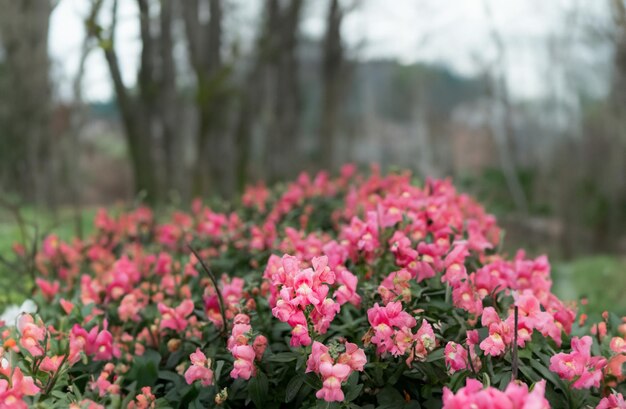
(150, 114)
(280, 92)
(213, 95)
(334, 79)
(26, 162)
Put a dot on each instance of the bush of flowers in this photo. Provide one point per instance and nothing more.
(348, 292)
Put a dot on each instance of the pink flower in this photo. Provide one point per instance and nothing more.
(300, 336)
(175, 318)
(259, 345)
(396, 285)
(391, 328)
(48, 289)
(239, 346)
(200, 369)
(615, 401)
(129, 308)
(354, 357)
(456, 357)
(319, 354)
(51, 364)
(579, 366)
(243, 367)
(333, 376)
(333, 373)
(618, 345)
(516, 396)
(32, 335)
(95, 343)
(347, 288)
(67, 306)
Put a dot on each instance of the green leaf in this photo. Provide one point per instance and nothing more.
(313, 381)
(353, 393)
(145, 369)
(389, 397)
(283, 357)
(258, 389)
(293, 387)
(435, 355)
(170, 376)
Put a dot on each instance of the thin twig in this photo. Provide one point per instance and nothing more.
(215, 283)
(514, 363)
(469, 359)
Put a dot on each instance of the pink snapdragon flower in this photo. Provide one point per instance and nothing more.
(31, 334)
(579, 366)
(615, 401)
(391, 332)
(334, 371)
(303, 290)
(47, 288)
(99, 344)
(200, 369)
(515, 396)
(362, 236)
(175, 318)
(396, 285)
(244, 352)
(103, 385)
(145, 400)
(15, 387)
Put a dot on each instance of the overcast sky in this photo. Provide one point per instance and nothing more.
(454, 32)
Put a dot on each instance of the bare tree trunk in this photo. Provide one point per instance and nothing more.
(333, 83)
(281, 93)
(137, 113)
(168, 101)
(24, 37)
(212, 95)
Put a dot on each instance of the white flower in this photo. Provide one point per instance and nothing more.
(10, 315)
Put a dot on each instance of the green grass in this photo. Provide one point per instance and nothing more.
(15, 283)
(600, 279)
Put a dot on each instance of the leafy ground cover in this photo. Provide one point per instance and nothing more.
(353, 292)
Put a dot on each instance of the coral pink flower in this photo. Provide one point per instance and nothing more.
(615, 401)
(514, 397)
(333, 373)
(11, 394)
(579, 366)
(67, 306)
(51, 364)
(32, 335)
(333, 376)
(175, 318)
(243, 367)
(47, 288)
(354, 357)
(618, 345)
(200, 369)
(259, 345)
(456, 357)
(346, 292)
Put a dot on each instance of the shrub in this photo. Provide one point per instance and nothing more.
(347, 292)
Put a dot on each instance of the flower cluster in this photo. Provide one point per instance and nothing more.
(334, 367)
(216, 305)
(391, 332)
(200, 369)
(243, 352)
(515, 396)
(579, 366)
(303, 297)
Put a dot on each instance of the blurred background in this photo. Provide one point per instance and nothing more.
(522, 103)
